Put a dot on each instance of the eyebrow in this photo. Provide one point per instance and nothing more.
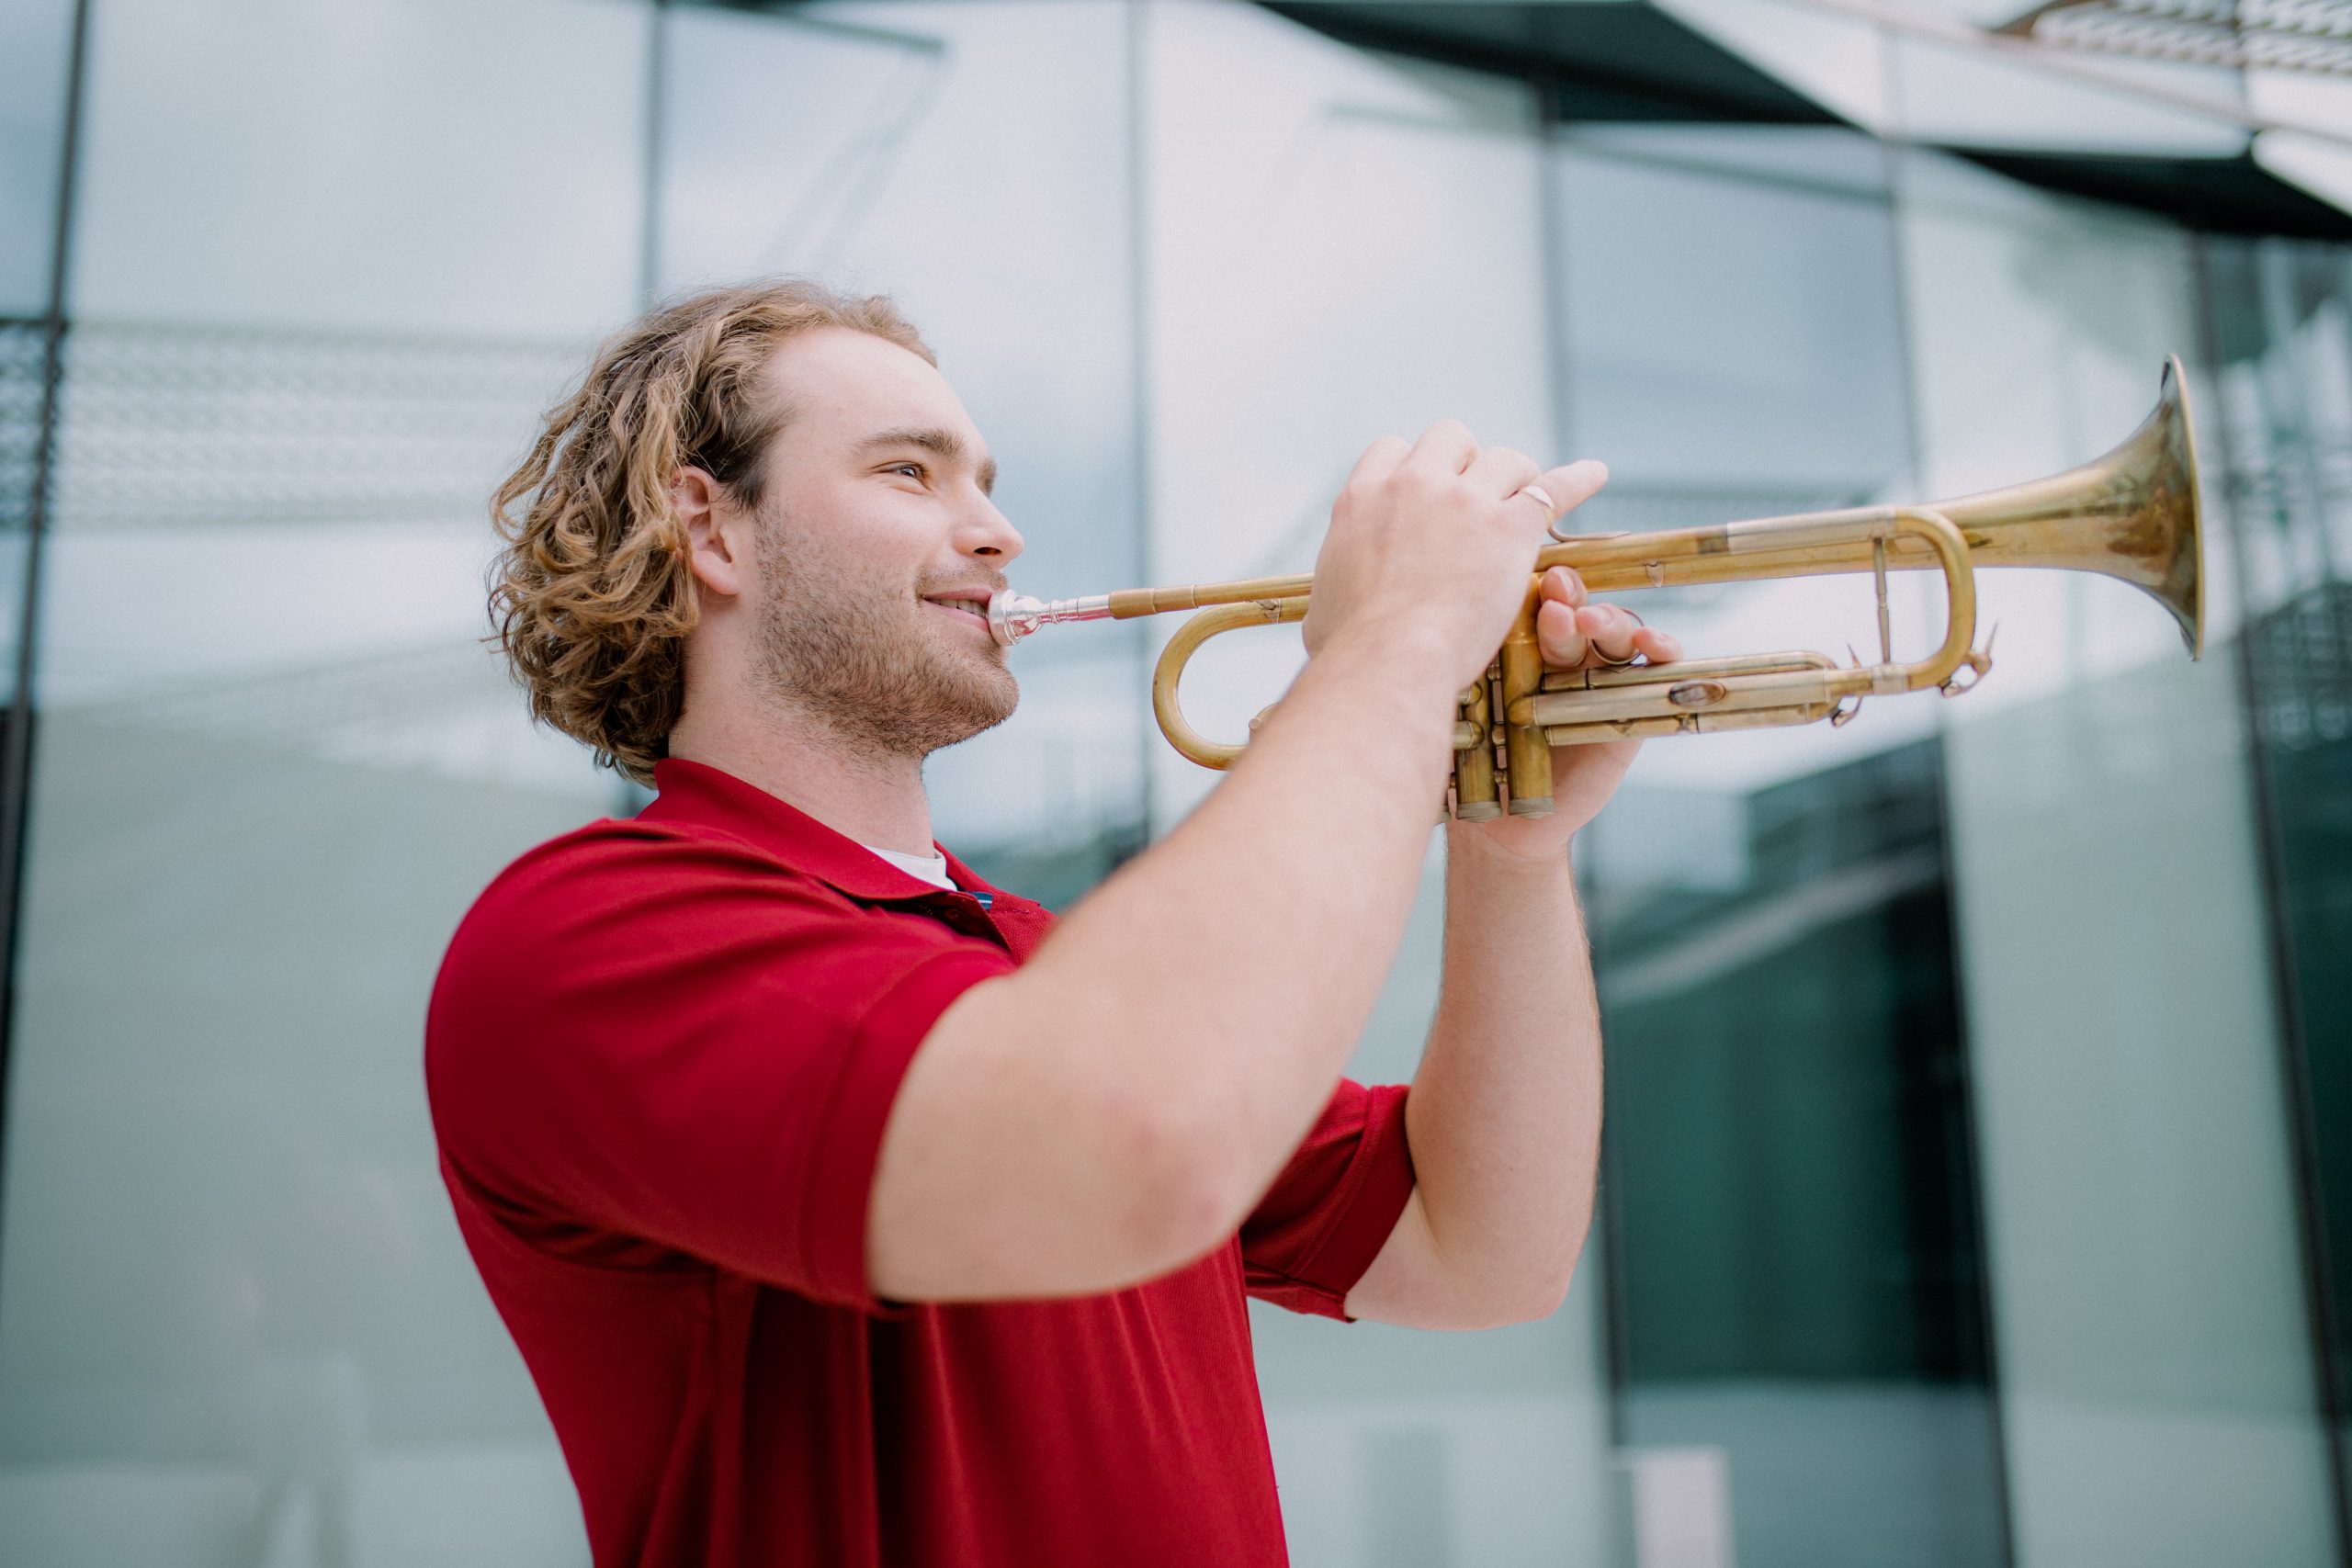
(942, 444)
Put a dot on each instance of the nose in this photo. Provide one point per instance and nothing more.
(986, 535)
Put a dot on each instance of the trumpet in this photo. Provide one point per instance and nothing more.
(2132, 514)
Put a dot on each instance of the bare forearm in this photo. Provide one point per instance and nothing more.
(1117, 1105)
(1505, 1113)
(1230, 971)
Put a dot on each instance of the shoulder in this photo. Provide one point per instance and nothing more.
(646, 871)
(621, 896)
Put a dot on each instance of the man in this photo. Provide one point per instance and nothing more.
(849, 1211)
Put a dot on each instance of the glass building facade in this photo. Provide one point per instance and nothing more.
(1978, 1187)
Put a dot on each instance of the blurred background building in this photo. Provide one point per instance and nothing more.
(1979, 1181)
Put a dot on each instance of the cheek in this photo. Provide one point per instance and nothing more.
(870, 531)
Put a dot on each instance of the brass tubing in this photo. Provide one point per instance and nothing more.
(1530, 708)
(1685, 724)
(1527, 756)
(1475, 796)
(1797, 682)
(1129, 603)
(1734, 694)
(1605, 678)
(2132, 514)
(1170, 672)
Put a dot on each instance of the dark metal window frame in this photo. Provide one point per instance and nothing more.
(17, 729)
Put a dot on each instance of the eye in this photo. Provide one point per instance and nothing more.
(913, 470)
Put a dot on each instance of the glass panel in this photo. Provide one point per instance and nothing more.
(274, 765)
(1294, 319)
(2156, 1359)
(35, 44)
(843, 139)
(1798, 1319)
(1793, 1211)
(2282, 316)
(24, 374)
(36, 39)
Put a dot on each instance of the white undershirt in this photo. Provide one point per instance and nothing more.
(932, 868)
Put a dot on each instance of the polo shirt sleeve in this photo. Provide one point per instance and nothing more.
(661, 1039)
(1331, 1210)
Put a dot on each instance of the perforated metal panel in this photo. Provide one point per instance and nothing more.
(169, 426)
(2271, 35)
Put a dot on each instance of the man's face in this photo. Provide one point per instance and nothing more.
(878, 550)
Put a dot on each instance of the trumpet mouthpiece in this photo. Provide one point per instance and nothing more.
(1012, 617)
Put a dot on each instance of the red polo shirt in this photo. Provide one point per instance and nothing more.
(659, 1055)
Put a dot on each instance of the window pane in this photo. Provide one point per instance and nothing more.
(36, 41)
(1798, 1320)
(2282, 314)
(1344, 246)
(314, 324)
(2158, 1395)
(36, 38)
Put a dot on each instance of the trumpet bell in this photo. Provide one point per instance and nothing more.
(2133, 515)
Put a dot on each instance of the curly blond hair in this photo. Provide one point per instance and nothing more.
(591, 598)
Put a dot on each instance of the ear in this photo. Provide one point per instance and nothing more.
(716, 533)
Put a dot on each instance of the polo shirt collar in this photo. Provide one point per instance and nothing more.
(697, 795)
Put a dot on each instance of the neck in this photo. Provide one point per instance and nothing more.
(874, 798)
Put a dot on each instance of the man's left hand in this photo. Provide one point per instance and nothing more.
(1575, 635)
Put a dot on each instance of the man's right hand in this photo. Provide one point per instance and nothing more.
(1436, 541)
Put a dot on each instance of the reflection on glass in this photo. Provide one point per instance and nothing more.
(1732, 326)
(35, 46)
(35, 41)
(23, 374)
(2282, 317)
(1794, 1242)
(1797, 1316)
(2148, 1305)
(1295, 316)
(273, 764)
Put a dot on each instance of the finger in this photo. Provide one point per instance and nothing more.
(1379, 460)
(1564, 585)
(1499, 471)
(1572, 485)
(1609, 629)
(1446, 446)
(1657, 646)
(1557, 637)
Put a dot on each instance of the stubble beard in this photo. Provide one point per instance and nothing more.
(860, 660)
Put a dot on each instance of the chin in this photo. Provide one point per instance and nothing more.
(996, 699)
(977, 690)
